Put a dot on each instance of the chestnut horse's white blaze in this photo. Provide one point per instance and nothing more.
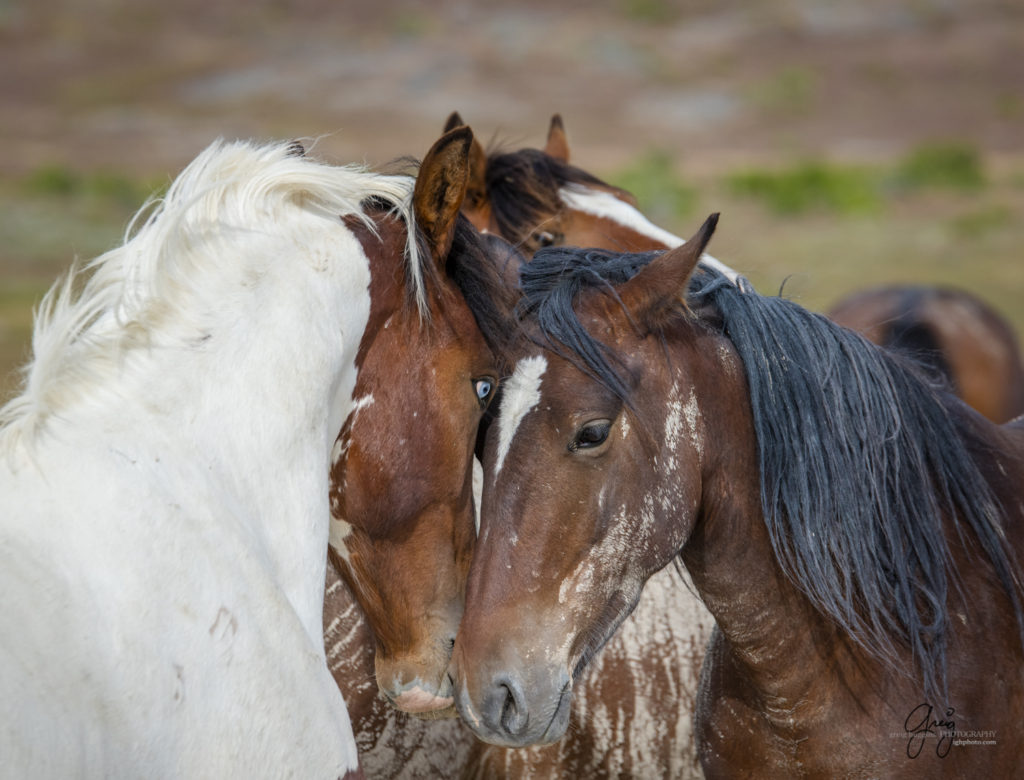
(521, 394)
(165, 480)
(604, 205)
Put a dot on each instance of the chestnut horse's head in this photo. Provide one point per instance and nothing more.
(401, 497)
(569, 533)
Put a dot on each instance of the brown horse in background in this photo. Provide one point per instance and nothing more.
(534, 198)
(963, 339)
(854, 530)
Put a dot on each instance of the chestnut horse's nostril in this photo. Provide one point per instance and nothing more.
(504, 708)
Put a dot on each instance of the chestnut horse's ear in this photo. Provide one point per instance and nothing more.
(441, 188)
(558, 142)
(656, 288)
(476, 191)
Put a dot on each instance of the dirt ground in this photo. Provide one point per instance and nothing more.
(140, 87)
(144, 85)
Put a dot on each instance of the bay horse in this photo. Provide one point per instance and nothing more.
(854, 529)
(535, 198)
(956, 333)
(166, 466)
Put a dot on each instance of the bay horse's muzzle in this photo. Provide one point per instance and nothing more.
(515, 709)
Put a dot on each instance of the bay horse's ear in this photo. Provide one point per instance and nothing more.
(558, 142)
(441, 188)
(658, 287)
(454, 120)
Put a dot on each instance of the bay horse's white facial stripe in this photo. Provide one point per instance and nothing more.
(520, 394)
(604, 205)
(478, 490)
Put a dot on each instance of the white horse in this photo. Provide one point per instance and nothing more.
(164, 475)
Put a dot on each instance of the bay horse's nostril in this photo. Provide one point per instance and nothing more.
(505, 710)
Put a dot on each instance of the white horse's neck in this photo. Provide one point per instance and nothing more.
(257, 405)
(250, 402)
(165, 470)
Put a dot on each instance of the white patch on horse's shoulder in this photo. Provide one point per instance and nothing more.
(340, 531)
(342, 443)
(604, 205)
(521, 395)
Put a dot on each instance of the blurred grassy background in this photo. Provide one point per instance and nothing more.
(846, 145)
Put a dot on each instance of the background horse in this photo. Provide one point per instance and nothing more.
(962, 338)
(534, 198)
(165, 473)
(854, 530)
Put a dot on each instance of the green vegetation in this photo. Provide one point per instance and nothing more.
(410, 23)
(791, 91)
(102, 187)
(811, 185)
(951, 165)
(819, 186)
(977, 223)
(649, 11)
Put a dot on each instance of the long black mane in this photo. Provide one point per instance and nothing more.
(861, 456)
(552, 282)
(474, 263)
(523, 187)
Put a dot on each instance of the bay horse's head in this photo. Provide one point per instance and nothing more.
(535, 198)
(401, 498)
(583, 468)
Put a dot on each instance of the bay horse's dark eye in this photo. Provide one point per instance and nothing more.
(484, 388)
(591, 435)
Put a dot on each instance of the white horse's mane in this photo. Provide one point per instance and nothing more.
(159, 281)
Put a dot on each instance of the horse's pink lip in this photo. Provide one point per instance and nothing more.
(418, 700)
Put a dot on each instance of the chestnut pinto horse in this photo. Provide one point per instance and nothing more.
(165, 469)
(854, 530)
(402, 509)
(957, 334)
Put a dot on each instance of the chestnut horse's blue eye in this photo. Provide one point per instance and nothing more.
(484, 388)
